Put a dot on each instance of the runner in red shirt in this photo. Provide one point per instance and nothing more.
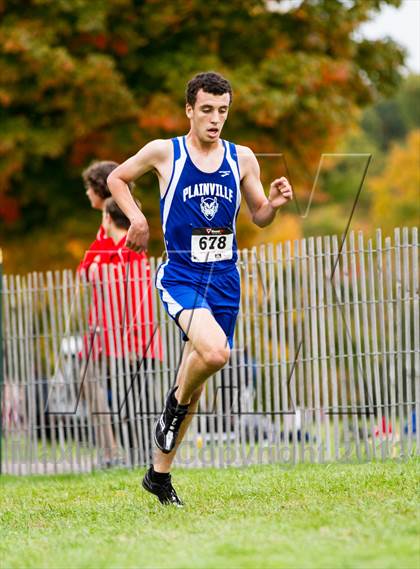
(124, 309)
(121, 319)
(110, 250)
(126, 285)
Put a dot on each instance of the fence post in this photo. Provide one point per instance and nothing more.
(1, 361)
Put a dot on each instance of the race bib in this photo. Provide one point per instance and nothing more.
(211, 244)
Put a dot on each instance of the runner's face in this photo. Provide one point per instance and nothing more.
(208, 115)
(95, 201)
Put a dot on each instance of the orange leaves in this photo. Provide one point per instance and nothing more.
(9, 209)
(119, 46)
(5, 98)
(336, 72)
(84, 148)
(99, 41)
(162, 114)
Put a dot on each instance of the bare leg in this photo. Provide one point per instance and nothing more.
(209, 354)
(96, 399)
(205, 353)
(106, 436)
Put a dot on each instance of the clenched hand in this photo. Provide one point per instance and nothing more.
(138, 237)
(280, 192)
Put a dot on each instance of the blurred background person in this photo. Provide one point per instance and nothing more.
(94, 178)
(126, 335)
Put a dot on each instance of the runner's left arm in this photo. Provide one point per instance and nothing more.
(263, 209)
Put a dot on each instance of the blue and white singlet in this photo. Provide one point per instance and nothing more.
(199, 210)
(198, 214)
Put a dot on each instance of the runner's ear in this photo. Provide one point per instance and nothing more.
(189, 110)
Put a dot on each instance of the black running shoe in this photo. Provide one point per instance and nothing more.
(164, 490)
(168, 424)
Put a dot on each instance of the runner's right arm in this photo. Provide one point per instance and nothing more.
(147, 158)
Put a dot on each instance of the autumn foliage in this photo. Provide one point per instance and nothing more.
(397, 189)
(92, 80)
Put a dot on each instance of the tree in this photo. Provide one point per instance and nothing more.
(92, 79)
(381, 125)
(390, 120)
(396, 192)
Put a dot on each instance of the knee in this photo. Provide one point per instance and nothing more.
(216, 358)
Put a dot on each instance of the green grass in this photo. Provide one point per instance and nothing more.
(329, 516)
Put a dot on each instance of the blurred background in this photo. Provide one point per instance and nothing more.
(93, 80)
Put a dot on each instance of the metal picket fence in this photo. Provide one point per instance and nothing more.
(326, 363)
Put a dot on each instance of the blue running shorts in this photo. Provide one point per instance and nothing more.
(181, 288)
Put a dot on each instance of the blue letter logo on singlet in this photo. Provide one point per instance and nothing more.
(209, 207)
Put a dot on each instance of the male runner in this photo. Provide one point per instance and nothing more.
(201, 178)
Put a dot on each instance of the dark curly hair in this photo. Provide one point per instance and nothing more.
(210, 82)
(95, 176)
(116, 213)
